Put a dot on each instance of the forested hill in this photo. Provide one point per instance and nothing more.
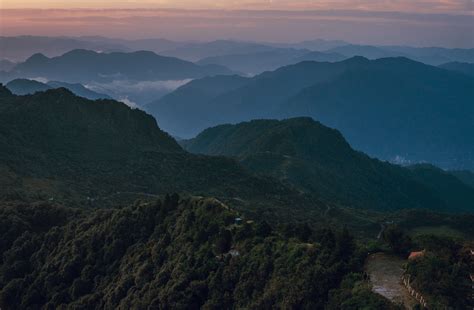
(318, 160)
(173, 253)
(60, 147)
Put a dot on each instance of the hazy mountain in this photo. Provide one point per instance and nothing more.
(27, 87)
(318, 160)
(313, 45)
(428, 55)
(6, 65)
(197, 51)
(83, 66)
(435, 55)
(79, 90)
(388, 113)
(258, 97)
(320, 57)
(462, 67)
(378, 107)
(256, 63)
(187, 108)
(21, 47)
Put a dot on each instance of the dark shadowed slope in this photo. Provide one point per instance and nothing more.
(86, 66)
(318, 160)
(59, 146)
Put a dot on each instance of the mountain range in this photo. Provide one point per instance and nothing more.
(318, 160)
(58, 146)
(385, 108)
(29, 87)
(85, 66)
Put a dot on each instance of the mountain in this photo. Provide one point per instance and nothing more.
(197, 51)
(318, 160)
(28, 87)
(256, 63)
(313, 45)
(398, 110)
(57, 146)
(462, 67)
(180, 111)
(83, 66)
(465, 176)
(429, 55)
(19, 48)
(367, 51)
(79, 90)
(257, 97)
(6, 65)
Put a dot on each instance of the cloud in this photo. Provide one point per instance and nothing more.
(423, 25)
(135, 93)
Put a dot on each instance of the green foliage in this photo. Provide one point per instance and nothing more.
(442, 274)
(318, 160)
(169, 253)
(397, 240)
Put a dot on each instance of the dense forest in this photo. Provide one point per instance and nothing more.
(180, 253)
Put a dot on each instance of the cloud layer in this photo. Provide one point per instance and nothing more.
(365, 27)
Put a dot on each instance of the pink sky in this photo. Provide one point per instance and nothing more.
(412, 6)
(447, 23)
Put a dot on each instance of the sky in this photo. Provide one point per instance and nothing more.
(447, 23)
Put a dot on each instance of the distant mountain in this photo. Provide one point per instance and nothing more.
(197, 51)
(367, 51)
(20, 48)
(462, 67)
(398, 110)
(313, 45)
(186, 109)
(318, 160)
(28, 87)
(428, 55)
(258, 97)
(79, 90)
(6, 65)
(83, 66)
(255, 63)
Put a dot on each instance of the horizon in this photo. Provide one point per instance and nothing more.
(427, 24)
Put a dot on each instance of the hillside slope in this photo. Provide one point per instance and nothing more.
(318, 160)
(386, 108)
(57, 146)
